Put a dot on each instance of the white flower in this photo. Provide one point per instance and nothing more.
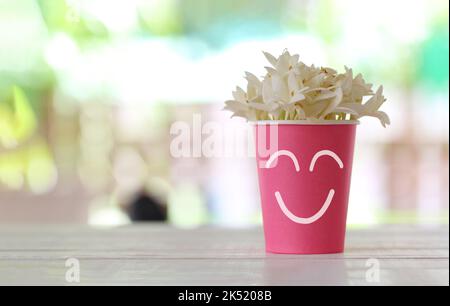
(292, 90)
(284, 63)
(370, 108)
(239, 105)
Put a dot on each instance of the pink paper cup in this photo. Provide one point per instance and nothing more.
(304, 172)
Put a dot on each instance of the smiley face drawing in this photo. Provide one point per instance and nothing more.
(328, 200)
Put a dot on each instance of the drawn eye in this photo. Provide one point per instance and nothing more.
(325, 153)
(280, 153)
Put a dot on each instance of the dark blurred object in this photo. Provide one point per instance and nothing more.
(144, 207)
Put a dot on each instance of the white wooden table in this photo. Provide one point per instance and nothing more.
(161, 255)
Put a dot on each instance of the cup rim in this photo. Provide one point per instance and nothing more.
(305, 122)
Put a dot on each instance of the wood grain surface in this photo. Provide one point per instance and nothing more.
(158, 254)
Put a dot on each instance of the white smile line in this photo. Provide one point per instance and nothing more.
(309, 220)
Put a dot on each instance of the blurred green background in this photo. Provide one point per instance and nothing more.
(90, 88)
